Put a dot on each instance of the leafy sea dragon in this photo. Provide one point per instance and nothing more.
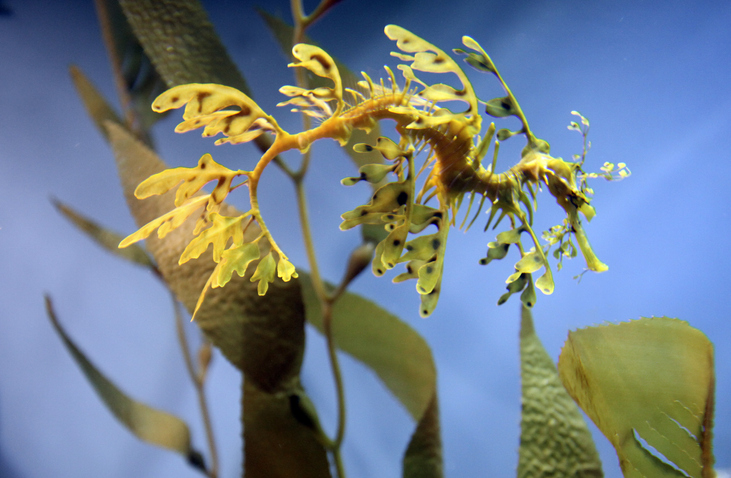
(454, 162)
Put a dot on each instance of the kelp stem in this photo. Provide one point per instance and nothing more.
(326, 301)
(198, 382)
(338, 378)
(301, 22)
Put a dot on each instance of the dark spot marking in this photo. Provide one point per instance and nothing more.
(200, 98)
(397, 242)
(368, 147)
(461, 92)
(409, 269)
(409, 247)
(323, 61)
(433, 291)
(438, 214)
(429, 269)
(505, 105)
(379, 271)
(203, 165)
(245, 110)
(435, 243)
(402, 198)
(438, 60)
(363, 176)
(175, 99)
(363, 213)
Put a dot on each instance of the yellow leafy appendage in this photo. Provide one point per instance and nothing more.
(453, 168)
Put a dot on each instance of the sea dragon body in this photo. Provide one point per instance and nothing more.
(456, 155)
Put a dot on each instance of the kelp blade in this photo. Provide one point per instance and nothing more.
(106, 238)
(276, 443)
(554, 438)
(181, 42)
(147, 423)
(648, 385)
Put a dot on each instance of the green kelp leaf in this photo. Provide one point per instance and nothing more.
(138, 83)
(283, 33)
(554, 438)
(401, 359)
(106, 238)
(648, 385)
(147, 423)
(423, 457)
(96, 106)
(279, 441)
(181, 42)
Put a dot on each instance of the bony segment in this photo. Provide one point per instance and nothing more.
(425, 121)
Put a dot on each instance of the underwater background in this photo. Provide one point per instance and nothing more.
(652, 77)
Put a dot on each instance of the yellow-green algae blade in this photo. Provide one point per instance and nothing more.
(106, 238)
(554, 438)
(648, 385)
(148, 424)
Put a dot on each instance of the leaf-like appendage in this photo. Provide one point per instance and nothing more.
(314, 102)
(264, 273)
(209, 105)
(431, 59)
(480, 60)
(387, 199)
(166, 222)
(193, 179)
(530, 262)
(285, 269)
(221, 230)
(234, 259)
(320, 63)
(648, 385)
(500, 107)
